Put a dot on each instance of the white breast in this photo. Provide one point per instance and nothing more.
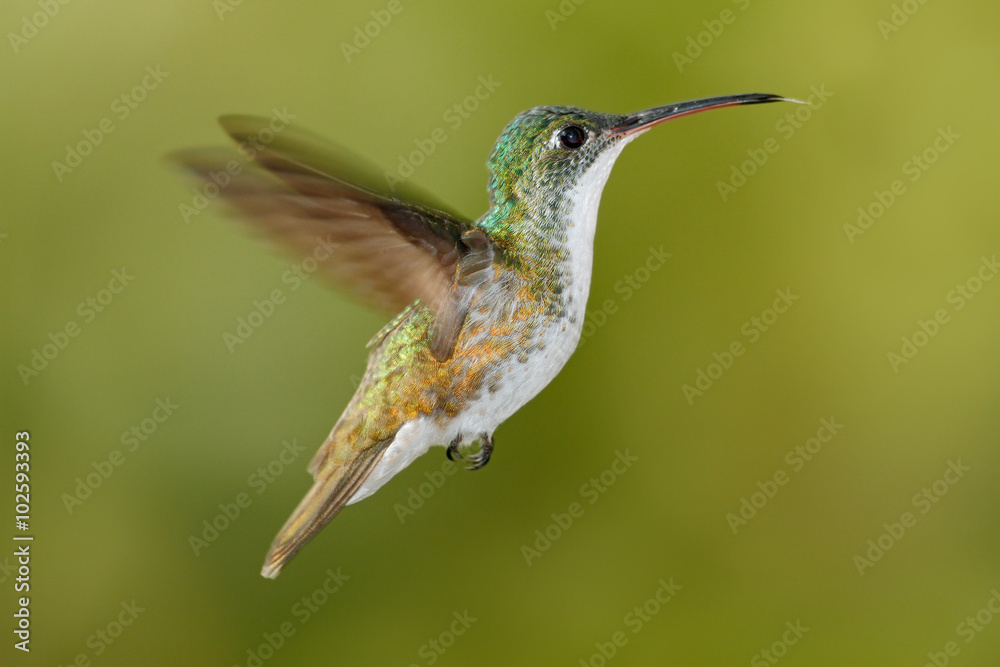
(522, 381)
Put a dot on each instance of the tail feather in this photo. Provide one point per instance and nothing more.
(333, 487)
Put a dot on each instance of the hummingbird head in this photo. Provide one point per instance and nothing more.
(550, 164)
(545, 151)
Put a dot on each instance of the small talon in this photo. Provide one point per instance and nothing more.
(452, 453)
(482, 457)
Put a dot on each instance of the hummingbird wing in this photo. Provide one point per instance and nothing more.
(320, 202)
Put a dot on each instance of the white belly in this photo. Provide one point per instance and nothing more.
(520, 382)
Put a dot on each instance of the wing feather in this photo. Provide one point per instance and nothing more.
(315, 200)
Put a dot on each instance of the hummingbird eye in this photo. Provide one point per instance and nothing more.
(572, 136)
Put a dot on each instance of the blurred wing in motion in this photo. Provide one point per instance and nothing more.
(318, 201)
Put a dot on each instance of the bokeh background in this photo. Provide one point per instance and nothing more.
(888, 94)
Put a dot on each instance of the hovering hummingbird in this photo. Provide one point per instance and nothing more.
(491, 309)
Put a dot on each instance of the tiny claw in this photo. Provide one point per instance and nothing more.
(452, 452)
(482, 457)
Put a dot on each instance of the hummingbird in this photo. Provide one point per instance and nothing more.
(489, 310)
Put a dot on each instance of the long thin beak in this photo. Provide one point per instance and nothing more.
(643, 120)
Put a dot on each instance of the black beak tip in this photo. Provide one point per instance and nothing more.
(762, 98)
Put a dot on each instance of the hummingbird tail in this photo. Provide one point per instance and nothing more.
(333, 488)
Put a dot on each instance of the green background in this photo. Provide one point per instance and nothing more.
(665, 516)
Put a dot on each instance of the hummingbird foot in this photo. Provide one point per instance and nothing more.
(476, 460)
(453, 452)
(482, 457)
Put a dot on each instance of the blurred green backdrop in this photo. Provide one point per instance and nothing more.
(762, 541)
